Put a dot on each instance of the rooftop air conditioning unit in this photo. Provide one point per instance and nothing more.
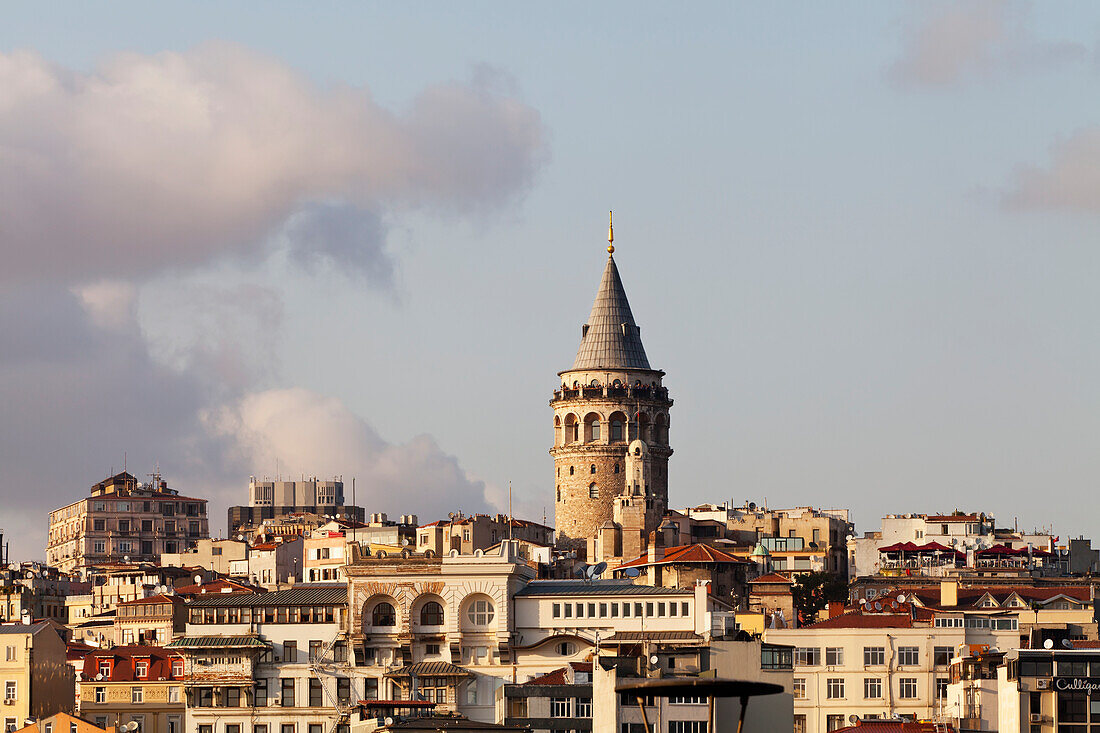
(1042, 684)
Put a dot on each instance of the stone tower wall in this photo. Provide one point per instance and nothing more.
(602, 460)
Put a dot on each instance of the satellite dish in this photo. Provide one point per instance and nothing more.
(581, 571)
(654, 659)
(597, 570)
(1048, 644)
(405, 542)
(125, 558)
(862, 601)
(198, 580)
(1067, 643)
(240, 537)
(631, 572)
(901, 598)
(389, 721)
(853, 718)
(99, 677)
(878, 605)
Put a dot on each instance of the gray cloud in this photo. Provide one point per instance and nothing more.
(334, 235)
(946, 43)
(1070, 181)
(178, 158)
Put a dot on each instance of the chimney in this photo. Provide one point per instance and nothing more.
(949, 593)
(836, 608)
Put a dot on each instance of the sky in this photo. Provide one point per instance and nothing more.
(360, 239)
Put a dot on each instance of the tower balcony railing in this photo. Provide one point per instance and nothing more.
(615, 393)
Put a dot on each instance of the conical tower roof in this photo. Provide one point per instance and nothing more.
(611, 339)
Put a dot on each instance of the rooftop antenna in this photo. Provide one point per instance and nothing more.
(611, 232)
(509, 510)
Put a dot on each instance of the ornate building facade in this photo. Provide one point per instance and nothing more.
(611, 422)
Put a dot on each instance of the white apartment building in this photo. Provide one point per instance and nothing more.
(274, 662)
(885, 659)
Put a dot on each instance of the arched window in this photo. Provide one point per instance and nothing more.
(616, 431)
(593, 491)
(481, 613)
(592, 468)
(595, 430)
(431, 614)
(616, 468)
(383, 615)
(559, 493)
(572, 429)
(570, 470)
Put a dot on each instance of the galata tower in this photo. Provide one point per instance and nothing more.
(610, 421)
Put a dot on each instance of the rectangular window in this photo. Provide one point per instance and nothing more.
(799, 688)
(874, 655)
(687, 726)
(614, 610)
(834, 688)
(908, 656)
(907, 688)
(204, 697)
(603, 610)
(660, 610)
(315, 728)
(259, 728)
(232, 697)
(872, 688)
(137, 695)
(287, 692)
(141, 669)
(314, 651)
(99, 525)
(583, 707)
(626, 610)
(101, 694)
(343, 690)
(580, 610)
(259, 692)
(649, 610)
(834, 722)
(315, 695)
(800, 724)
(556, 613)
(637, 610)
(11, 690)
(591, 610)
(287, 728)
(684, 608)
(834, 656)
(569, 610)
(560, 707)
(431, 649)
(290, 651)
(941, 656)
(807, 656)
(941, 688)
(173, 694)
(232, 728)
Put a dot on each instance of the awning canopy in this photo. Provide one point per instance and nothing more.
(428, 669)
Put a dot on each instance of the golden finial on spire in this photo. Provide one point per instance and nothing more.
(611, 232)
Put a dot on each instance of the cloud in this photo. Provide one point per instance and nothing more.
(1070, 181)
(334, 235)
(303, 432)
(946, 43)
(175, 159)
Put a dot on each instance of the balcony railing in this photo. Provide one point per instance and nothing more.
(615, 393)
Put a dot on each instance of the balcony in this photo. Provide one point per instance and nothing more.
(659, 394)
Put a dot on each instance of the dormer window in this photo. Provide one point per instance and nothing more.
(105, 668)
(141, 669)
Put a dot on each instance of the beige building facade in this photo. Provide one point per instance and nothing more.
(36, 679)
(124, 518)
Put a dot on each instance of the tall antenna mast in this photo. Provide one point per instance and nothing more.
(509, 510)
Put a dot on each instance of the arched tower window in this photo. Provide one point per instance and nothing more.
(660, 431)
(592, 468)
(617, 421)
(593, 491)
(616, 468)
(572, 429)
(591, 427)
(570, 470)
(559, 493)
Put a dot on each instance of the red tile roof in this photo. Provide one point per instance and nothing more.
(122, 663)
(559, 676)
(952, 518)
(859, 619)
(687, 554)
(152, 599)
(222, 585)
(895, 726)
(772, 578)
